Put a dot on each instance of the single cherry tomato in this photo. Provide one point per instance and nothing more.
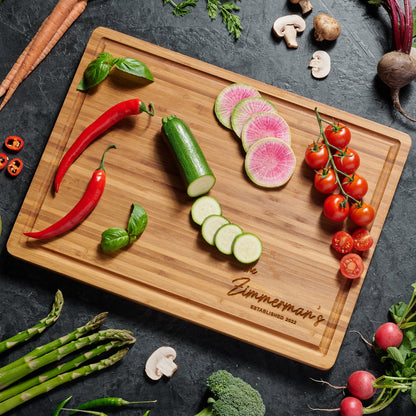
(325, 181)
(14, 167)
(347, 160)
(362, 214)
(316, 155)
(14, 143)
(355, 186)
(342, 242)
(362, 239)
(338, 135)
(351, 266)
(336, 208)
(3, 160)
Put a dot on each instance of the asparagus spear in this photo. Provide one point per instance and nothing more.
(38, 328)
(47, 386)
(63, 368)
(44, 349)
(11, 376)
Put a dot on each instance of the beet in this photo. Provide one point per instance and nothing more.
(397, 69)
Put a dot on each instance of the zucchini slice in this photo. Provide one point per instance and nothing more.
(211, 225)
(225, 236)
(196, 172)
(247, 248)
(203, 207)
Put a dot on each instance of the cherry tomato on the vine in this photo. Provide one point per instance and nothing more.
(336, 207)
(362, 239)
(362, 214)
(355, 186)
(352, 266)
(342, 242)
(347, 160)
(338, 135)
(325, 181)
(316, 155)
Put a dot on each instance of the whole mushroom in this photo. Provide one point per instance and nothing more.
(288, 27)
(305, 5)
(320, 64)
(326, 27)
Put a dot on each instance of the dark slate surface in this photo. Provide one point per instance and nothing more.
(26, 291)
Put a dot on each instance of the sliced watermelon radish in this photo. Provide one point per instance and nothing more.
(262, 125)
(246, 108)
(270, 162)
(228, 98)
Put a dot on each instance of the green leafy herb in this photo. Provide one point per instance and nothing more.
(116, 238)
(99, 69)
(214, 7)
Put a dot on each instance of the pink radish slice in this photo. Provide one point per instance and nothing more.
(228, 98)
(246, 108)
(270, 162)
(262, 125)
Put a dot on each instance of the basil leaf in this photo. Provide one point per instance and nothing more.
(114, 239)
(137, 221)
(96, 71)
(134, 67)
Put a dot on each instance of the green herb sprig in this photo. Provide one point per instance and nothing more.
(115, 238)
(214, 7)
(99, 69)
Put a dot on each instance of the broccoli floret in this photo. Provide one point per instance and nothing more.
(232, 396)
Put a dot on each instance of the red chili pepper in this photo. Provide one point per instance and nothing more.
(14, 143)
(14, 167)
(80, 211)
(3, 160)
(99, 126)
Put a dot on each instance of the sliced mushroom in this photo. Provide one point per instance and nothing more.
(160, 363)
(326, 27)
(305, 5)
(288, 27)
(320, 64)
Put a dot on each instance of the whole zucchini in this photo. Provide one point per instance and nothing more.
(196, 172)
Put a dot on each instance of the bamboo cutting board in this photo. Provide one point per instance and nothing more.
(293, 301)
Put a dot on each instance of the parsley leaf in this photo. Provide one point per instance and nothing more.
(182, 8)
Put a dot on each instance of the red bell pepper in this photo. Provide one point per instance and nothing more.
(14, 167)
(3, 160)
(80, 211)
(14, 143)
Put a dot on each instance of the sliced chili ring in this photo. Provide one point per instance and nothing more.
(14, 167)
(3, 160)
(14, 143)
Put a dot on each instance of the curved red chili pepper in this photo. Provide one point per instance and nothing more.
(80, 211)
(99, 126)
(14, 167)
(3, 160)
(14, 143)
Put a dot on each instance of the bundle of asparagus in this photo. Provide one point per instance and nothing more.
(14, 391)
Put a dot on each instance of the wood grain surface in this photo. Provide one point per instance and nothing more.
(293, 301)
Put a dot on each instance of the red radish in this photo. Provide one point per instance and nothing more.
(351, 406)
(228, 98)
(246, 108)
(388, 335)
(397, 68)
(270, 162)
(262, 125)
(361, 385)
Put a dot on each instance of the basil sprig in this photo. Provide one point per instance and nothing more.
(99, 69)
(115, 238)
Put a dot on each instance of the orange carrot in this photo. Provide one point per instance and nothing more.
(40, 42)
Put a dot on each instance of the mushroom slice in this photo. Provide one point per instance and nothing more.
(305, 5)
(160, 363)
(288, 27)
(320, 64)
